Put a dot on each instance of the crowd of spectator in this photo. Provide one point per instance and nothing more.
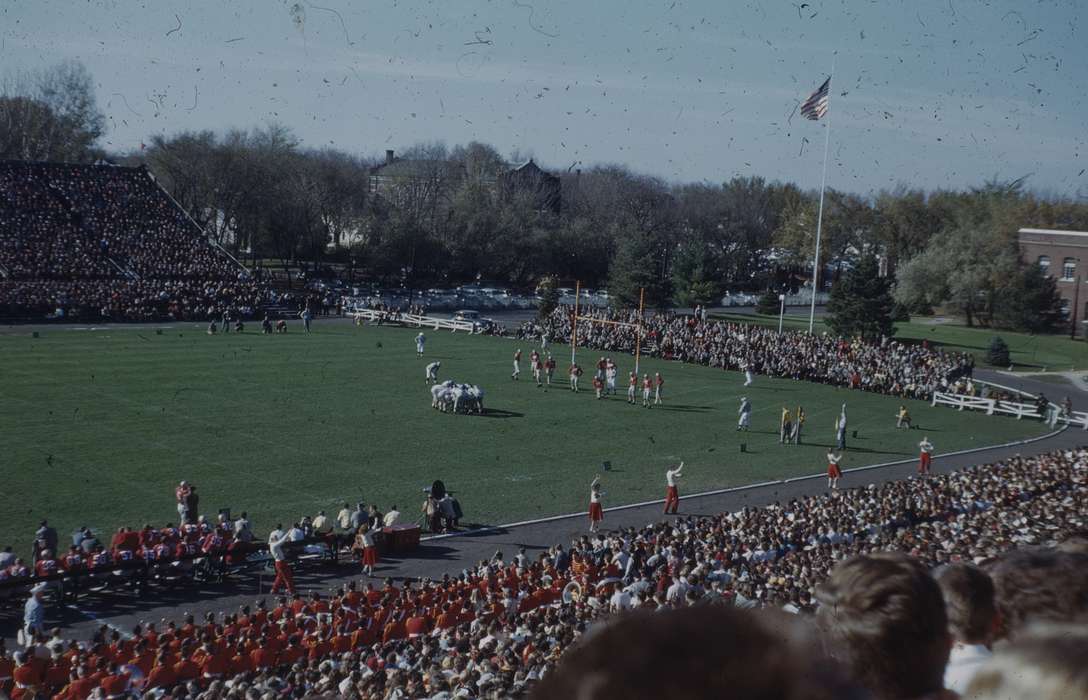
(500, 628)
(889, 367)
(100, 242)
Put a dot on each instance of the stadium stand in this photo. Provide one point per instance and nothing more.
(102, 242)
(496, 629)
(888, 367)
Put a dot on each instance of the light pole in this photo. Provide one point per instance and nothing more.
(1076, 302)
(781, 310)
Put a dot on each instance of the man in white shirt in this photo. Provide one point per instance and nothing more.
(285, 577)
(343, 518)
(621, 600)
(322, 525)
(432, 372)
(295, 534)
(972, 620)
(392, 517)
(677, 590)
(672, 494)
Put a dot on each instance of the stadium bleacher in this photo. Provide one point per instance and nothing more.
(497, 628)
(102, 242)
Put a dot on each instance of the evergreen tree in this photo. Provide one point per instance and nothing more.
(549, 297)
(768, 303)
(1031, 303)
(693, 277)
(998, 352)
(637, 266)
(861, 303)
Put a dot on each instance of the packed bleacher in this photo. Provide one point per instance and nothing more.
(889, 367)
(101, 242)
(501, 628)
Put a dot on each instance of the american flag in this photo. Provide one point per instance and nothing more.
(816, 104)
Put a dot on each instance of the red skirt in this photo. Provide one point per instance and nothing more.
(596, 513)
(924, 460)
(833, 471)
(370, 556)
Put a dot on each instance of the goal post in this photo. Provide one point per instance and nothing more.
(576, 317)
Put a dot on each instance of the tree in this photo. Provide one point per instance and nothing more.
(768, 303)
(549, 297)
(693, 275)
(998, 352)
(637, 266)
(50, 114)
(1030, 303)
(861, 303)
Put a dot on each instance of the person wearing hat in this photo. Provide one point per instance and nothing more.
(34, 613)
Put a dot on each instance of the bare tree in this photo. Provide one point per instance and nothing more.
(50, 114)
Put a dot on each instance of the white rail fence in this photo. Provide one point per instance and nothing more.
(1021, 410)
(414, 320)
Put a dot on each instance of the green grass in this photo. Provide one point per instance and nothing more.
(100, 425)
(1054, 352)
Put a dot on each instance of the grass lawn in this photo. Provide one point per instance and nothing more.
(101, 425)
(1054, 352)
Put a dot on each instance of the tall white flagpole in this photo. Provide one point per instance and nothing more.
(820, 215)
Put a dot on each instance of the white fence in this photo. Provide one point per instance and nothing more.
(414, 320)
(1021, 410)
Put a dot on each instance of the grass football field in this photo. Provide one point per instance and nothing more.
(100, 425)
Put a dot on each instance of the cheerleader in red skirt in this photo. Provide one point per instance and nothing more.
(365, 540)
(833, 471)
(596, 512)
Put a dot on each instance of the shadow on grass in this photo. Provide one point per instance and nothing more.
(681, 408)
(862, 450)
(500, 413)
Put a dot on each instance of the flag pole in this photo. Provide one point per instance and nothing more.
(820, 215)
(574, 320)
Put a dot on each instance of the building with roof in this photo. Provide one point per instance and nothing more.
(531, 180)
(1062, 255)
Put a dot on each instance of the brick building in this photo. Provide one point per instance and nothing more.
(1064, 256)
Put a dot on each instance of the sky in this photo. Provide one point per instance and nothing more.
(925, 94)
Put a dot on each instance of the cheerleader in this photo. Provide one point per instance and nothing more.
(833, 471)
(365, 542)
(596, 512)
(672, 493)
(925, 456)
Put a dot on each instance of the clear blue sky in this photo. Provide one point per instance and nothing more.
(930, 94)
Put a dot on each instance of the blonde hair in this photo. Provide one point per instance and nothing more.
(1045, 663)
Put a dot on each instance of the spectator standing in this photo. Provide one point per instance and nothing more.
(34, 614)
(972, 621)
(884, 618)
